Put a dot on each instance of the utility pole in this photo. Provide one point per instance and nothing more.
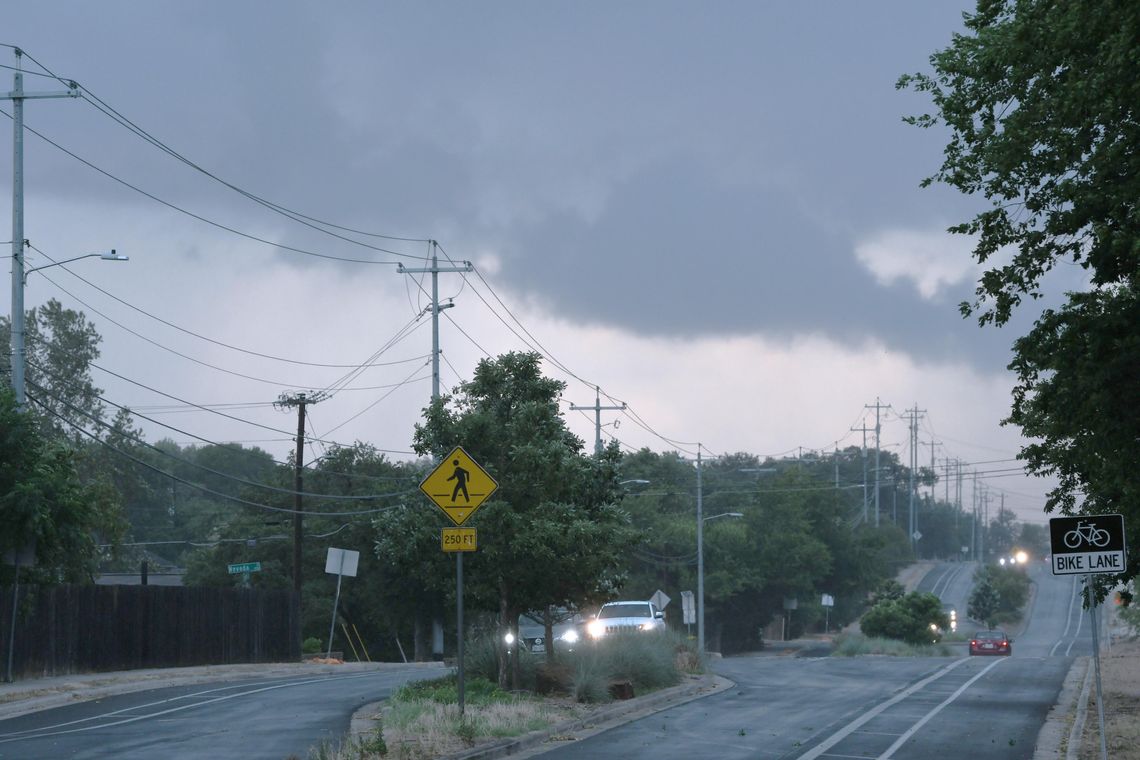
(878, 428)
(597, 407)
(974, 521)
(863, 428)
(18, 96)
(700, 561)
(915, 413)
(300, 400)
(436, 308)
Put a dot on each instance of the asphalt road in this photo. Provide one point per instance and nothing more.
(780, 706)
(983, 708)
(272, 718)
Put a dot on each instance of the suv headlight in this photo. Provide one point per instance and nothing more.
(596, 628)
(570, 637)
(509, 638)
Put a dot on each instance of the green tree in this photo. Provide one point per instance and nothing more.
(908, 618)
(552, 534)
(984, 600)
(61, 346)
(46, 506)
(1039, 98)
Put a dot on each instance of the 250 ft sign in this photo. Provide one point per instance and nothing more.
(458, 540)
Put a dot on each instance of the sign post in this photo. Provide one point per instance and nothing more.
(342, 562)
(688, 609)
(1089, 545)
(458, 476)
(827, 601)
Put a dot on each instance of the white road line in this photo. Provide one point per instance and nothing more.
(914, 729)
(62, 728)
(1068, 619)
(854, 725)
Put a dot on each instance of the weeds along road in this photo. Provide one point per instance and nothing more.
(251, 719)
(982, 708)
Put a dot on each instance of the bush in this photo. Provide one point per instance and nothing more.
(481, 659)
(999, 594)
(853, 645)
(445, 691)
(311, 645)
(908, 618)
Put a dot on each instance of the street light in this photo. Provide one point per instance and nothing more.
(19, 279)
(111, 255)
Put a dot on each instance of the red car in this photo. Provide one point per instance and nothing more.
(991, 642)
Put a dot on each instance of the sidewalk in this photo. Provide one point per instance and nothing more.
(26, 696)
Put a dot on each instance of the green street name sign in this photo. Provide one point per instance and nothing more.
(245, 567)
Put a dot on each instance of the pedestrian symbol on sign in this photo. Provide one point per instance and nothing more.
(460, 477)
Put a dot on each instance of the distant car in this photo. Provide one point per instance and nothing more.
(626, 617)
(952, 616)
(991, 642)
(567, 633)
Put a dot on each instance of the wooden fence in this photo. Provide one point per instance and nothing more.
(80, 629)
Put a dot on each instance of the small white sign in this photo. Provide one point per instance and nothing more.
(342, 562)
(660, 599)
(688, 608)
(827, 601)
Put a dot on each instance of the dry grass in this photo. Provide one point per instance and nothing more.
(1120, 680)
(421, 730)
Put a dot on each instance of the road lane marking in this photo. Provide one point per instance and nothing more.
(914, 729)
(62, 728)
(1068, 620)
(854, 725)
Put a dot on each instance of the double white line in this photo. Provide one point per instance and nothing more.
(854, 725)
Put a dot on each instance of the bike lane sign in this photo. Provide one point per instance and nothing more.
(1087, 544)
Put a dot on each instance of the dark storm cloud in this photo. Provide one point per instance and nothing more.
(728, 162)
(677, 253)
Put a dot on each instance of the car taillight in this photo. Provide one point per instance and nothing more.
(1005, 643)
(973, 642)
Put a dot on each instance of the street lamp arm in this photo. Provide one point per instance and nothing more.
(106, 256)
(723, 514)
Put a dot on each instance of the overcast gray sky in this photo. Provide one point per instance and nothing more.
(710, 210)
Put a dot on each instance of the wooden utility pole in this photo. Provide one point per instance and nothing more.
(300, 400)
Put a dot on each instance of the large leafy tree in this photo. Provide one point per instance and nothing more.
(61, 344)
(552, 533)
(1041, 102)
(46, 506)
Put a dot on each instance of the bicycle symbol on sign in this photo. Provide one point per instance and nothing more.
(1087, 533)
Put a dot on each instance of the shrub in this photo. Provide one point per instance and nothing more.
(311, 645)
(908, 618)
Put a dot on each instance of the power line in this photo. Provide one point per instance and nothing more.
(210, 491)
(253, 484)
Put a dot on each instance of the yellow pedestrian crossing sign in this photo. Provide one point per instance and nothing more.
(458, 485)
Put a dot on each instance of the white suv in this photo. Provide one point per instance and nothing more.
(626, 617)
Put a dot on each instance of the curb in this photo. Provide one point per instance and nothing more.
(603, 719)
(1060, 723)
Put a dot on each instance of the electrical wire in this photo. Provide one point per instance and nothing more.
(278, 383)
(199, 217)
(186, 331)
(204, 489)
(250, 483)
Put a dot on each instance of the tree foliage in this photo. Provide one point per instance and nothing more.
(61, 345)
(552, 534)
(45, 504)
(907, 618)
(1040, 99)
